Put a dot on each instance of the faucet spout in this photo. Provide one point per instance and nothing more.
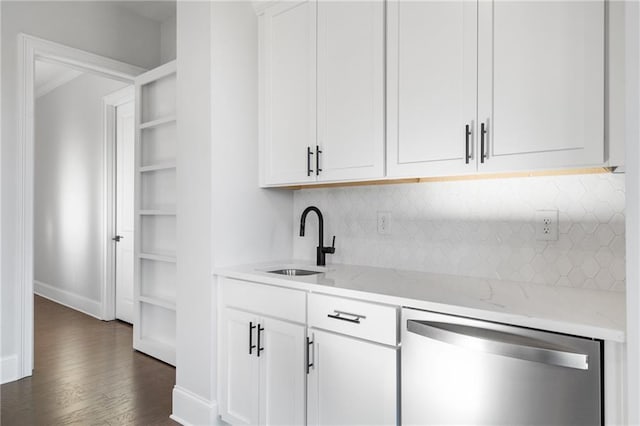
(321, 250)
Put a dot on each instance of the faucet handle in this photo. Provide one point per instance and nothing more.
(331, 249)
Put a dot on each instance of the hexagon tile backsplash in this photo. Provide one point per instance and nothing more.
(479, 228)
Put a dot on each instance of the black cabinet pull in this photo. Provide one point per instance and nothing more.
(309, 154)
(318, 152)
(339, 316)
(483, 132)
(251, 345)
(260, 330)
(467, 135)
(309, 345)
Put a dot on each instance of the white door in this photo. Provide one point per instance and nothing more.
(541, 83)
(352, 382)
(431, 87)
(125, 175)
(288, 92)
(282, 373)
(350, 90)
(239, 399)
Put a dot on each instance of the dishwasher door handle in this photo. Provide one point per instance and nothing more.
(499, 343)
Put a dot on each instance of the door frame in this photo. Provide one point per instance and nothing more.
(108, 287)
(29, 49)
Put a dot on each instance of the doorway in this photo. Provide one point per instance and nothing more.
(119, 119)
(32, 49)
(125, 169)
(84, 137)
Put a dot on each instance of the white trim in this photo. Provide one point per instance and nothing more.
(66, 298)
(9, 369)
(29, 49)
(158, 73)
(191, 409)
(108, 287)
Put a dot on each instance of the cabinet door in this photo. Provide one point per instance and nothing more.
(288, 91)
(282, 373)
(352, 382)
(351, 89)
(541, 83)
(239, 373)
(431, 87)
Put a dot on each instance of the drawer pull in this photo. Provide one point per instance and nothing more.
(309, 347)
(339, 316)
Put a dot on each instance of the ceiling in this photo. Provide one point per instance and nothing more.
(49, 76)
(158, 11)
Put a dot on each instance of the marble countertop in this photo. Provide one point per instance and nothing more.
(589, 313)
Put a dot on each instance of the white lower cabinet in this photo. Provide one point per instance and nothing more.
(282, 373)
(262, 359)
(288, 357)
(352, 361)
(240, 378)
(351, 382)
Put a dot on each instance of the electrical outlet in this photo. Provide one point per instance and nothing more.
(384, 223)
(547, 225)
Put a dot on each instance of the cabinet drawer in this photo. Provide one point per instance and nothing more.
(365, 320)
(264, 299)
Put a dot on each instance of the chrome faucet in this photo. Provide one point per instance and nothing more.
(321, 250)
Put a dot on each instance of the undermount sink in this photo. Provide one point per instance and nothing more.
(293, 272)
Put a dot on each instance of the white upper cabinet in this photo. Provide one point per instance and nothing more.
(288, 92)
(322, 92)
(539, 95)
(350, 90)
(469, 86)
(541, 84)
(431, 87)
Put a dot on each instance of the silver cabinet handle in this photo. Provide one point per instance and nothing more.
(499, 343)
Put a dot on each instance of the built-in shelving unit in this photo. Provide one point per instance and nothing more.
(155, 242)
(158, 122)
(160, 166)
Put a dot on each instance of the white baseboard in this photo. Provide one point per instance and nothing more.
(9, 369)
(68, 299)
(190, 409)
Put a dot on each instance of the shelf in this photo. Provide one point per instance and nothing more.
(159, 166)
(157, 122)
(157, 213)
(158, 302)
(158, 257)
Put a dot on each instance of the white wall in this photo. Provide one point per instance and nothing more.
(193, 206)
(632, 77)
(231, 220)
(168, 40)
(98, 27)
(69, 192)
(479, 228)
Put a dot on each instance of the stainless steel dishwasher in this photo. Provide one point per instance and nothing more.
(468, 372)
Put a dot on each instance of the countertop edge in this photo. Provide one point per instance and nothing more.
(545, 324)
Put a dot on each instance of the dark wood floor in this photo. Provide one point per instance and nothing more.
(86, 372)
